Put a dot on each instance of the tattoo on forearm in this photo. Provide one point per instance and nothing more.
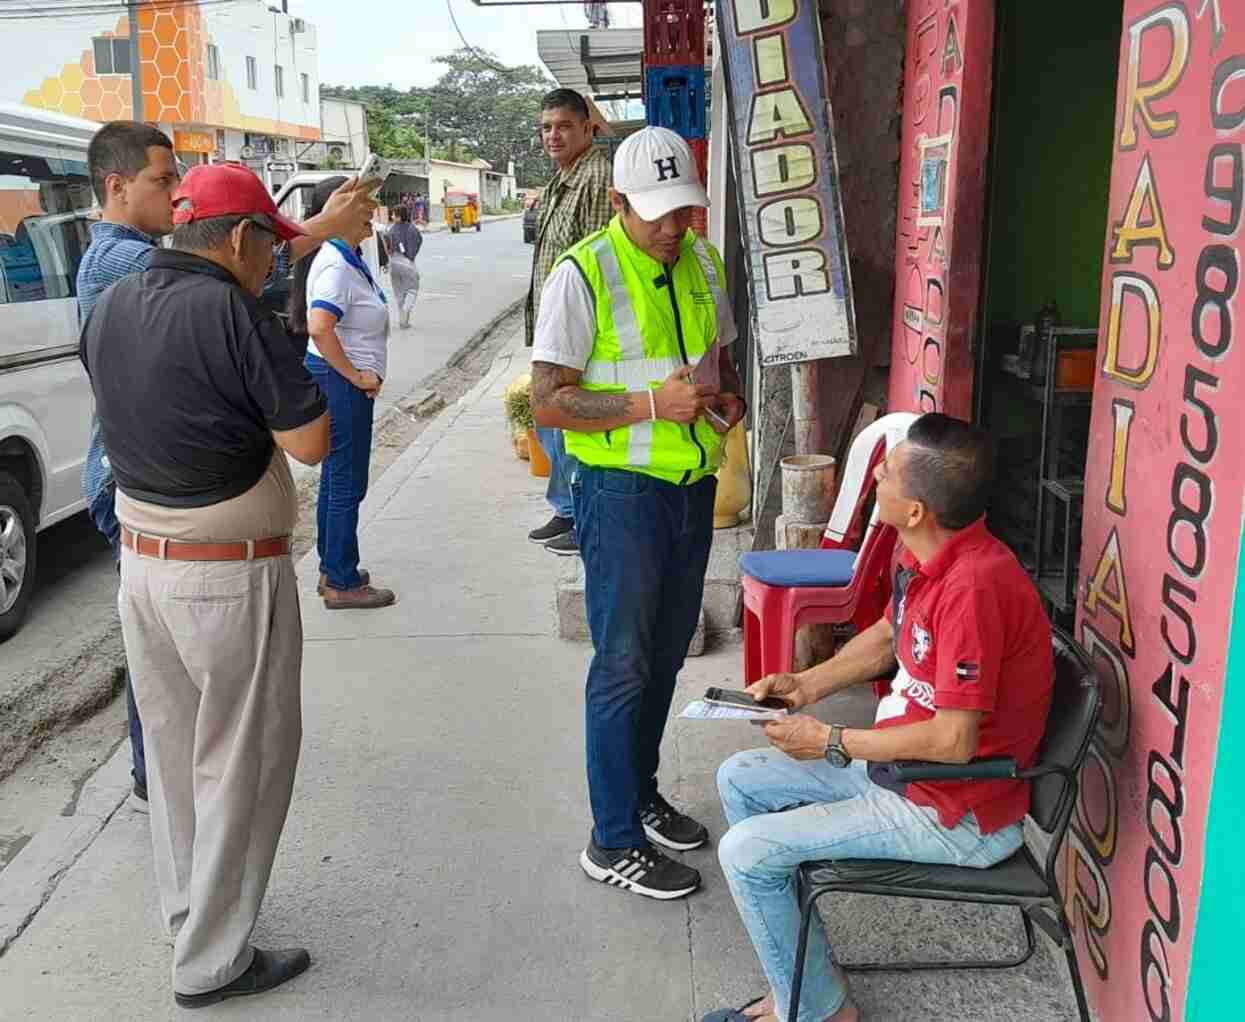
(585, 404)
(558, 387)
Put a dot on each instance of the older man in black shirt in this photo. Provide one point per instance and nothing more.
(200, 395)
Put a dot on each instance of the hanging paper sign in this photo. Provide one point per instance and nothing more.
(782, 138)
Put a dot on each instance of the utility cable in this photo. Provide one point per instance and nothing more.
(449, 6)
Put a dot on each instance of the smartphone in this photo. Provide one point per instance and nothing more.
(742, 700)
(374, 168)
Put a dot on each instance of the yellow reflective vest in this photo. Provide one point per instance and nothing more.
(647, 326)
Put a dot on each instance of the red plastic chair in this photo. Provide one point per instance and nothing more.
(836, 584)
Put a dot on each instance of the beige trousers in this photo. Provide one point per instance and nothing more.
(215, 652)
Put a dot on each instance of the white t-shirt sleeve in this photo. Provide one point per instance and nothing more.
(329, 284)
(566, 326)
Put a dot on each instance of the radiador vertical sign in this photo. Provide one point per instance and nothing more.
(782, 137)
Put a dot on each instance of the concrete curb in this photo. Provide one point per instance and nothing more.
(63, 694)
(30, 879)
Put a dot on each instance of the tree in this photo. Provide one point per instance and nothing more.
(475, 110)
(493, 114)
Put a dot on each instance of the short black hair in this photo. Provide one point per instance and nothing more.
(404, 215)
(120, 147)
(566, 99)
(949, 468)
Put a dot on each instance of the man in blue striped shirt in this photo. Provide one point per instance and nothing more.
(134, 175)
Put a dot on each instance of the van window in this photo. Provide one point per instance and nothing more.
(44, 227)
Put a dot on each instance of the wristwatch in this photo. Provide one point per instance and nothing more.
(835, 754)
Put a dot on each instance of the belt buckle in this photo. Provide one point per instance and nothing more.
(250, 549)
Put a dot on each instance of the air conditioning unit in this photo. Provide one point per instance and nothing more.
(297, 25)
(337, 152)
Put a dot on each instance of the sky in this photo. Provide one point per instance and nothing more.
(393, 42)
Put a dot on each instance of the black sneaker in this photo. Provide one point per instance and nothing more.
(667, 826)
(552, 529)
(566, 545)
(639, 870)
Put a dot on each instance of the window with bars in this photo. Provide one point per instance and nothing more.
(252, 73)
(213, 63)
(112, 56)
(279, 80)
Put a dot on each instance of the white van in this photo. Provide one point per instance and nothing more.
(45, 397)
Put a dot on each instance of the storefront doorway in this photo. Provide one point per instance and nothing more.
(1048, 183)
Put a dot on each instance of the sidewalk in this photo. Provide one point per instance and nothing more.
(429, 861)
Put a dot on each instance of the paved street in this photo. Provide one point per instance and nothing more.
(429, 861)
(468, 279)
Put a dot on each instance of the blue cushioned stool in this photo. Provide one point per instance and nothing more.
(800, 568)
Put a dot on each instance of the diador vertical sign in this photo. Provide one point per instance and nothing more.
(782, 136)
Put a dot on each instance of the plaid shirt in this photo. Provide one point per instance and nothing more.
(575, 204)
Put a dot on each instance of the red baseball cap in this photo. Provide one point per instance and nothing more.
(228, 190)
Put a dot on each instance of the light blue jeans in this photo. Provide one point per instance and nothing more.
(783, 812)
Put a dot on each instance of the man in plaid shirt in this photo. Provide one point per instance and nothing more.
(574, 204)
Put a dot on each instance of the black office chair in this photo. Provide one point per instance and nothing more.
(1020, 881)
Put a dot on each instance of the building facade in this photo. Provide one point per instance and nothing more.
(1084, 166)
(226, 82)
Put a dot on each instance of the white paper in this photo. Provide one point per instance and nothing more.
(700, 710)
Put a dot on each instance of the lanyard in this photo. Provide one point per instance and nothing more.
(353, 259)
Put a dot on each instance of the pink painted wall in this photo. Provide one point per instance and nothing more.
(946, 122)
(1163, 501)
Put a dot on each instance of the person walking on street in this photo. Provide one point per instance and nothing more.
(404, 242)
(575, 204)
(629, 317)
(344, 310)
(200, 395)
(133, 174)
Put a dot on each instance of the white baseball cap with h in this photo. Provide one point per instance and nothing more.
(655, 170)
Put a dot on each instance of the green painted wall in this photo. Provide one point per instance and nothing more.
(1055, 87)
(1214, 985)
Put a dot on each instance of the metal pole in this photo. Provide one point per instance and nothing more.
(136, 70)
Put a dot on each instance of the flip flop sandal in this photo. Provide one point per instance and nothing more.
(733, 1014)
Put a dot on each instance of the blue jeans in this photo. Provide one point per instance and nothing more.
(561, 471)
(343, 474)
(783, 812)
(104, 515)
(645, 545)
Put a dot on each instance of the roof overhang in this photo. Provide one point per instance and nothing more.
(607, 63)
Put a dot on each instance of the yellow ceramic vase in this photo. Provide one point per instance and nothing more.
(734, 480)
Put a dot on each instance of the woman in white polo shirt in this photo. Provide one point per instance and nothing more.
(343, 310)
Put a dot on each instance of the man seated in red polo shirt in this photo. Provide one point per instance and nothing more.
(971, 647)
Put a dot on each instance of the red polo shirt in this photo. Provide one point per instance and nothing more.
(971, 634)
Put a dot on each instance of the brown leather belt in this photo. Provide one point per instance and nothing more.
(177, 550)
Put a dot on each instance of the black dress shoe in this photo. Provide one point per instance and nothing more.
(268, 969)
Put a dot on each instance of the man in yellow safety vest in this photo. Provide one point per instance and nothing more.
(631, 359)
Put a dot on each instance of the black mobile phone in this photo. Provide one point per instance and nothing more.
(730, 697)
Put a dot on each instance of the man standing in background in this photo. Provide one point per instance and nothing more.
(575, 203)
